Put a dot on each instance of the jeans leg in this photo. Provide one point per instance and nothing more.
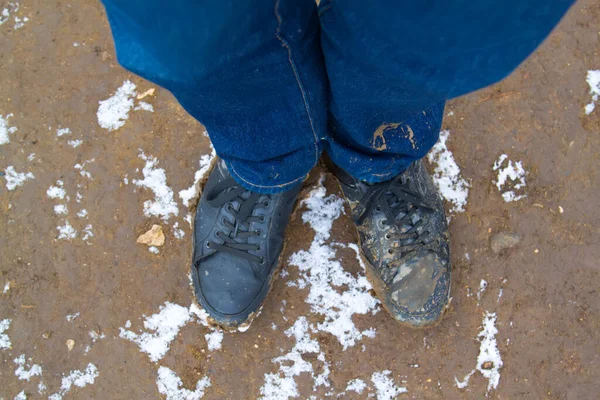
(250, 71)
(392, 65)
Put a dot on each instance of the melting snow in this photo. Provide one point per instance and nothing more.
(214, 340)
(177, 231)
(5, 129)
(155, 179)
(163, 327)
(170, 385)
(515, 173)
(4, 339)
(282, 385)
(75, 143)
(593, 79)
(87, 233)
(482, 286)
(325, 276)
(60, 209)
(489, 361)
(15, 179)
(82, 213)
(71, 317)
(56, 192)
(356, 385)
(77, 378)
(446, 175)
(191, 193)
(385, 387)
(66, 232)
(153, 249)
(21, 396)
(63, 131)
(114, 111)
(26, 374)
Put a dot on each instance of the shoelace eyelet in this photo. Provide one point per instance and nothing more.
(229, 207)
(390, 251)
(383, 222)
(387, 236)
(258, 232)
(262, 261)
(266, 203)
(262, 218)
(208, 245)
(377, 208)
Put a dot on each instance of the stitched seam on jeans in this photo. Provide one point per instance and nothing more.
(300, 86)
(264, 186)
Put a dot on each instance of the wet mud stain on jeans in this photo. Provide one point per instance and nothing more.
(379, 142)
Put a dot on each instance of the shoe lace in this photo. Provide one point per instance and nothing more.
(235, 240)
(405, 209)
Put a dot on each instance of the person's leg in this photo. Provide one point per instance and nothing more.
(393, 64)
(391, 67)
(250, 71)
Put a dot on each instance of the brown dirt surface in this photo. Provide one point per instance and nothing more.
(547, 316)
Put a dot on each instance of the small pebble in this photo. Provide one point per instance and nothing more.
(70, 344)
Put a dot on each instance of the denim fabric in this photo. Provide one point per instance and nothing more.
(276, 82)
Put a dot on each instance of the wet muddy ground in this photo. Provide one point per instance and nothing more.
(60, 63)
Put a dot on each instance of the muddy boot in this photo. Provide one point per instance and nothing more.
(238, 240)
(404, 238)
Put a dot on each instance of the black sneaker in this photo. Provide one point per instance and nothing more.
(404, 238)
(238, 241)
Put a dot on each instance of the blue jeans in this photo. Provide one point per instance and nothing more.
(277, 82)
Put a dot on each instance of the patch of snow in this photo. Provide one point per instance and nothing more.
(446, 175)
(75, 143)
(333, 292)
(513, 172)
(489, 355)
(385, 386)
(282, 385)
(114, 111)
(6, 287)
(20, 22)
(80, 168)
(96, 336)
(593, 79)
(450, 114)
(356, 385)
(15, 179)
(63, 131)
(199, 312)
(56, 192)
(170, 385)
(162, 328)
(41, 387)
(87, 233)
(155, 179)
(31, 157)
(26, 374)
(177, 231)
(66, 232)
(4, 339)
(142, 105)
(61, 209)
(191, 193)
(71, 317)
(188, 219)
(21, 396)
(82, 213)
(153, 249)
(482, 286)
(500, 294)
(5, 129)
(214, 340)
(77, 378)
